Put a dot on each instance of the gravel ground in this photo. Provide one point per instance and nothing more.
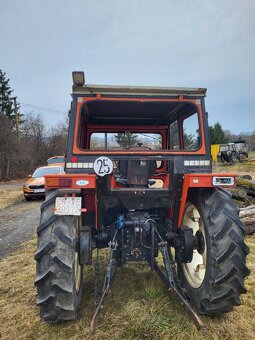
(18, 222)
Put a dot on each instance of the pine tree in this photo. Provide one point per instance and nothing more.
(217, 134)
(126, 140)
(6, 104)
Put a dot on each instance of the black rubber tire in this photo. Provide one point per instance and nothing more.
(56, 257)
(226, 254)
(233, 158)
(223, 160)
(27, 198)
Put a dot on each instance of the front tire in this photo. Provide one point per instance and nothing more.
(58, 272)
(27, 198)
(214, 279)
(233, 158)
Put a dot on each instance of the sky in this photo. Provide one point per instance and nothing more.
(200, 43)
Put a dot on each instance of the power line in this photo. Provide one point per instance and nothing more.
(42, 108)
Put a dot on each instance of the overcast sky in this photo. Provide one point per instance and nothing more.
(199, 43)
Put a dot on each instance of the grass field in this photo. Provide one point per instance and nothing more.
(8, 197)
(239, 168)
(138, 307)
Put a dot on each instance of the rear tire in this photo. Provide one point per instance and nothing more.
(58, 272)
(214, 280)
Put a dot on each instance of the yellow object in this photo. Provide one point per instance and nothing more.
(215, 148)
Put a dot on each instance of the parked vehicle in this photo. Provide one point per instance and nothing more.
(232, 152)
(123, 140)
(34, 186)
(228, 153)
(241, 148)
(56, 160)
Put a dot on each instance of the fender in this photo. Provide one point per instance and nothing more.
(203, 181)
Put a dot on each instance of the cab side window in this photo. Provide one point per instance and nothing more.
(184, 133)
(191, 133)
(174, 136)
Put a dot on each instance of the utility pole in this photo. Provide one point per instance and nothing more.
(16, 115)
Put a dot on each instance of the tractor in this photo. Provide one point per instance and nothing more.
(138, 180)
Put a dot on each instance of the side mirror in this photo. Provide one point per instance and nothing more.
(29, 176)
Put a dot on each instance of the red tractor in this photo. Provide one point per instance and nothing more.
(138, 179)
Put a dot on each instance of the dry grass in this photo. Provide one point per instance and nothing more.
(138, 307)
(252, 155)
(240, 168)
(9, 197)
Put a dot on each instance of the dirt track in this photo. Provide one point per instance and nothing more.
(11, 184)
(18, 222)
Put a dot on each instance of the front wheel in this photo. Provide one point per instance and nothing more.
(214, 279)
(233, 158)
(58, 269)
(27, 198)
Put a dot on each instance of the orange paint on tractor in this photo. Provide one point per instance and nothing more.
(198, 181)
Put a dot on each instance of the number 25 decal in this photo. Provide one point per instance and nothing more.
(103, 166)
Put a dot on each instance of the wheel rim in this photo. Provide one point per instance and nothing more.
(77, 272)
(77, 266)
(195, 270)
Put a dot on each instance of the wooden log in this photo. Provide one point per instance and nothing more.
(248, 220)
(247, 213)
(239, 194)
(246, 183)
(249, 192)
(250, 229)
(248, 208)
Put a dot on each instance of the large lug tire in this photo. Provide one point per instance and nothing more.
(214, 279)
(58, 271)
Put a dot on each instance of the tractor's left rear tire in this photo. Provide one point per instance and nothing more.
(58, 271)
(214, 280)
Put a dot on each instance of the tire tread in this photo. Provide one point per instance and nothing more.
(57, 297)
(227, 269)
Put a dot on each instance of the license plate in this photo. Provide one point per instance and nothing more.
(39, 190)
(68, 206)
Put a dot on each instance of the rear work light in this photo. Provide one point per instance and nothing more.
(223, 181)
(78, 78)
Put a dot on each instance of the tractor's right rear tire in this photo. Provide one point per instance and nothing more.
(58, 271)
(214, 279)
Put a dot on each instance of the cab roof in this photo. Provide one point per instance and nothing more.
(138, 90)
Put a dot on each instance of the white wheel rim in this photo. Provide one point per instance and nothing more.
(77, 272)
(77, 266)
(195, 270)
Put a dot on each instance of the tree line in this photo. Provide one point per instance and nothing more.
(220, 136)
(22, 150)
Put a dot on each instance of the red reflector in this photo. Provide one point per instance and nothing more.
(65, 182)
(74, 159)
